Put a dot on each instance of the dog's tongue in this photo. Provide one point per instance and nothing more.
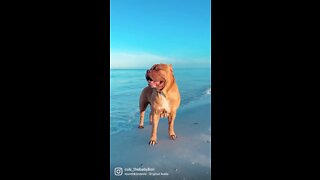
(153, 84)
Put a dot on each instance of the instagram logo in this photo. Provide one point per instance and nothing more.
(118, 171)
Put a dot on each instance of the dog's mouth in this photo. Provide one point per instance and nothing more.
(153, 83)
(148, 78)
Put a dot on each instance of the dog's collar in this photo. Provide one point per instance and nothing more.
(162, 93)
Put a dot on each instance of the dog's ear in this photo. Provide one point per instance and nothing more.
(170, 66)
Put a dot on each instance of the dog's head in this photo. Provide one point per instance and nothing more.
(159, 75)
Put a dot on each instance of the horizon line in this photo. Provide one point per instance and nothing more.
(174, 68)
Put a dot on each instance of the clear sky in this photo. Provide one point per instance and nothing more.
(145, 32)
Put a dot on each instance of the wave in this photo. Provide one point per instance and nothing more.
(208, 91)
(196, 98)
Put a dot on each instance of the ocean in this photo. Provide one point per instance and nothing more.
(126, 85)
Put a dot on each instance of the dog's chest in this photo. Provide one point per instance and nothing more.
(165, 104)
(162, 104)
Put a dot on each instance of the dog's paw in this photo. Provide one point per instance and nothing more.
(153, 142)
(140, 126)
(173, 137)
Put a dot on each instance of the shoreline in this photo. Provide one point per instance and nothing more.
(187, 157)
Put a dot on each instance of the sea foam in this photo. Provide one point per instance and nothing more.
(208, 91)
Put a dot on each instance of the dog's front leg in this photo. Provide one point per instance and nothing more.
(155, 121)
(171, 118)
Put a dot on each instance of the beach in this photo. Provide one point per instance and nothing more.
(187, 157)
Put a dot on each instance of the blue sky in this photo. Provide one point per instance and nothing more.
(145, 32)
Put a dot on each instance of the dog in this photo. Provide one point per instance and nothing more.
(163, 95)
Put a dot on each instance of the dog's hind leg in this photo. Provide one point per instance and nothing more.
(150, 118)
